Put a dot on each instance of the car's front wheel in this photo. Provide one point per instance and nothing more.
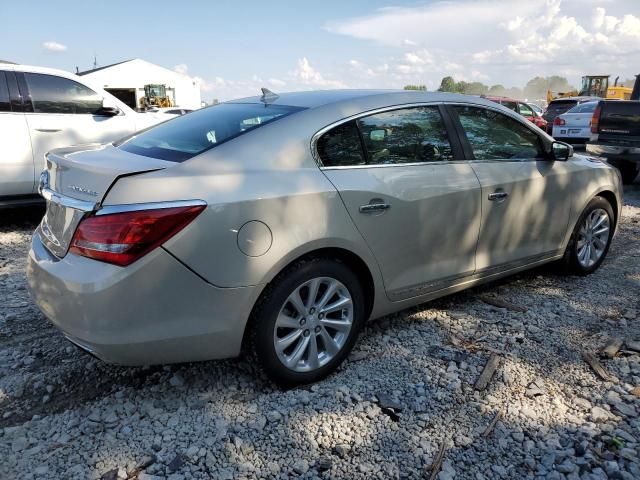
(591, 238)
(307, 321)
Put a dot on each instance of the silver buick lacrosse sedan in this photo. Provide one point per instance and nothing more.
(281, 223)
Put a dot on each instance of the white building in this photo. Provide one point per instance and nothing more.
(126, 81)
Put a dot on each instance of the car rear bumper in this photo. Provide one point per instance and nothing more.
(154, 311)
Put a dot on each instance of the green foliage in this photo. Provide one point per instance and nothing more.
(535, 88)
(421, 88)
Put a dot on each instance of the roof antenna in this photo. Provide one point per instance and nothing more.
(268, 96)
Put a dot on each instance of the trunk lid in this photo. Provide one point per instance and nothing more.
(577, 120)
(76, 181)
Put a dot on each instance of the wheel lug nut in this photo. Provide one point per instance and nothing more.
(306, 333)
(303, 321)
(312, 311)
(317, 329)
(321, 315)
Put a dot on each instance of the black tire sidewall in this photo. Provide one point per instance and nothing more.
(265, 315)
(572, 251)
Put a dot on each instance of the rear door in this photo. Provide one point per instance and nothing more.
(417, 207)
(526, 112)
(63, 112)
(16, 158)
(525, 197)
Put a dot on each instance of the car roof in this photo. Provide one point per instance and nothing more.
(575, 99)
(319, 98)
(498, 98)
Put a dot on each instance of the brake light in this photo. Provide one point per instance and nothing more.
(558, 121)
(595, 119)
(122, 238)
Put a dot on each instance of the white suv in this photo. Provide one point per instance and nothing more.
(42, 109)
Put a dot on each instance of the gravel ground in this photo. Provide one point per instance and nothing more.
(406, 392)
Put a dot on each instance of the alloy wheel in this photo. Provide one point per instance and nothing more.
(313, 324)
(593, 237)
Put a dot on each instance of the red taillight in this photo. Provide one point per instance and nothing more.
(558, 121)
(123, 238)
(595, 119)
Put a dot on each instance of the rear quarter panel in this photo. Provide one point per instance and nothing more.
(266, 175)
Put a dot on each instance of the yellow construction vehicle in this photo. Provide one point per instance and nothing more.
(155, 96)
(595, 86)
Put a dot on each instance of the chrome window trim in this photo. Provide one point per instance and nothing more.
(135, 207)
(510, 113)
(60, 199)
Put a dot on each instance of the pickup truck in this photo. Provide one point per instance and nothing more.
(615, 134)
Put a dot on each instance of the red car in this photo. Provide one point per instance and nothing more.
(522, 108)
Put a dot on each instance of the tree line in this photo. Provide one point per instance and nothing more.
(535, 88)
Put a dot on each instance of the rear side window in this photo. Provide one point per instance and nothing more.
(408, 135)
(495, 136)
(510, 105)
(52, 94)
(190, 135)
(5, 102)
(340, 146)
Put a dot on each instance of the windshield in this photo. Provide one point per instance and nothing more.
(190, 135)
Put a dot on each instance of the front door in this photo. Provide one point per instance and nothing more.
(417, 209)
(63, 113)
(525, 197)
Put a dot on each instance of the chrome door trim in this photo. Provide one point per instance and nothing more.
(487, 272)
(135, 207)
(498, 108)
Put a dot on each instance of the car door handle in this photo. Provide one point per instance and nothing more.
(48, 130)
(374, 207)
(498, 196)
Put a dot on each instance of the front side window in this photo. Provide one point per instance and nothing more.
(341, 147)
(190, 135)
(53, 94)
(407, 135)
(495, 136)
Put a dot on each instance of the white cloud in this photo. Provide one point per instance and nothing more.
(306, 75)
(54, 47)
(502, 41)
(181, 68)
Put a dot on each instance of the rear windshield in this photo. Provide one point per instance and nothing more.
(587, 107)
(556, 108)
(187, 136)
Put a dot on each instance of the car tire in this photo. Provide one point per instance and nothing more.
(628, 171)
(267, 335)
(578, 257)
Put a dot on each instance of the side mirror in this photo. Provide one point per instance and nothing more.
(561, 151)
(107, 111)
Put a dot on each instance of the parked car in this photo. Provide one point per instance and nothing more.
(525, 109)
(561, 105)
(282, 223)
(574, 126)
(42, 109)
(615, 129)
